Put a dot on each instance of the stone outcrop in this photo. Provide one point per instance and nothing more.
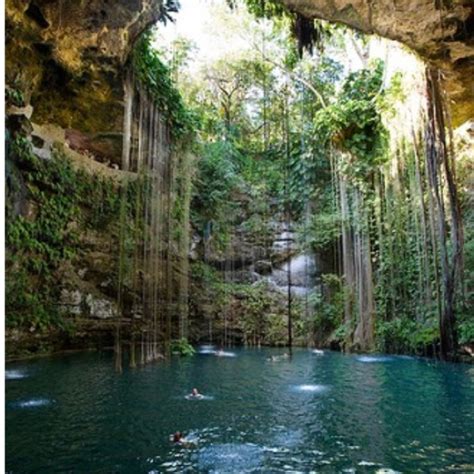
(67, 57)
(440, 31)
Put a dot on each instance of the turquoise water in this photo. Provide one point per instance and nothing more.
(321, 413)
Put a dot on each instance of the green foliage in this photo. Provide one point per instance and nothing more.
(402, 335)
(155, 76)
(324, 230)
(263, 315)
(14, 96)
(60, 201)
(204, 274)
(266, 9)
(353, 123)
(215, 180)
(182, 347)
(466, 332)
(394, 94)
(328, 307)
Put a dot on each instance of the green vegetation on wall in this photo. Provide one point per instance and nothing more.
(60, 202)
(155, 76)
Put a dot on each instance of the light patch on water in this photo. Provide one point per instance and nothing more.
(15, 374)
(310, 388)
(34, 402)
(370, 359)
(210, 351)
(225, 354)
(386, 470)
(367, 463)
(230, 458)
(207, 349)
(318, 352)
(276, 450)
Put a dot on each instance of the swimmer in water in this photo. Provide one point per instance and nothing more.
(195, 394)
(278, 358)
(179, 439)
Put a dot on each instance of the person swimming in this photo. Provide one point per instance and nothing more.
(179, 439)
(195, 393)
(279, 358)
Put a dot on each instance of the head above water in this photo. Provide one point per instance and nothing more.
(177, 437)
(194, 392)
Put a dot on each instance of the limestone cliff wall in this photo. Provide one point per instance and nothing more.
(68, 55)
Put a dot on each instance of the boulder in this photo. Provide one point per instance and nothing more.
(101, 308)
(263, 267)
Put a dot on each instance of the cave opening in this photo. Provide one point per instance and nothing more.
(297, 148)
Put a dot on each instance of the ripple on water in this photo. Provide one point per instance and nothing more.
(230, 457)
(288, 438)
(310, 388)
(370, 359)
(15, 374)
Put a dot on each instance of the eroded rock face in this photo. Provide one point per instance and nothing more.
(68, 56)
(441, 31)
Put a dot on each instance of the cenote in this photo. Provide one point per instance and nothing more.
(382, 414)
(263, 200)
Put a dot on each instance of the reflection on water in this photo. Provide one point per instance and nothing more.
(310, 388)
(324, 414)
(15, 374)
(225, 354)
(230, 457)
(208, 349)
(370, 359)
(35, 402)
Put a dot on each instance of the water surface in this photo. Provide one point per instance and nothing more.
(329, 413)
